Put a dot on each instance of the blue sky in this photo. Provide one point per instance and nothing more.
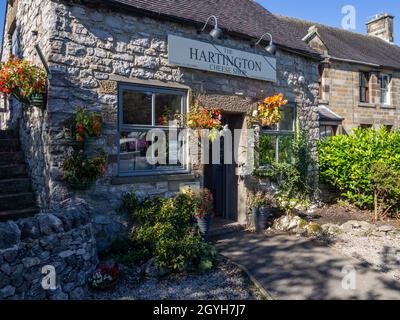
(326, 12)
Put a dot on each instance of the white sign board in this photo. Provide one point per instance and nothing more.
(211, 57)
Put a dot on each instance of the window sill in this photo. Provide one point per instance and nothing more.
(366, 105)
(323, 102)
(387, 106)
(151, 178)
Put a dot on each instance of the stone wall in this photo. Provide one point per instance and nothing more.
(63, 239)
(89, 50)
(344, 97)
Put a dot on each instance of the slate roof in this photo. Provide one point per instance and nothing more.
(249, 19)
(241, 17)
(327, 115)
(348, 45)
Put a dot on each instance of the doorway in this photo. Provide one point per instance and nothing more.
(221, 179)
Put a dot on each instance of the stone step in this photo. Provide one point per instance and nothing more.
(17, 214)
(16, 201)
(18, 185)
(9, 145)
(7, 134)
(12, 171)
(11, 157)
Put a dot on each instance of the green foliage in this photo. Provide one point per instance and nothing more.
(130, 203)
(346, 162)
(386, 182)
(168, 232)
(129, 252)
(291, 175)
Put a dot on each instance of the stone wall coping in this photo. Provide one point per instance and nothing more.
(153, 178)
(149, 82)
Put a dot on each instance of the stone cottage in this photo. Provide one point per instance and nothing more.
(359, 76)
(118, 57)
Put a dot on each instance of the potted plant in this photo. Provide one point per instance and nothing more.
(105, 277)
(82, 127)
(26, 82)
(80, 171)
(201, 117)
(259, 202)
(268, 111)
(204, 210)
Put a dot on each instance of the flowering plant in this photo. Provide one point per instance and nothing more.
(204, 203)
(84, 125)
(22, 79)
(268, 111)
(104, 276)
(78, 169)
(259, 198)
(205, 118)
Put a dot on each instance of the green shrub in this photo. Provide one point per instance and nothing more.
(292, 175)
(346, 162)
(386, 182)
(167, 231)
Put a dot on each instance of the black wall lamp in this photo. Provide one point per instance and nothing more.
(271, 48)
(215, 33)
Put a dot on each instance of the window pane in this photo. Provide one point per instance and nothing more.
(287, 118)
(136, 108)
(285, 149)
(267, 153)
(134, 150)
(167, 107)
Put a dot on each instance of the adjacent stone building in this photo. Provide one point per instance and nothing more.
(359, 76)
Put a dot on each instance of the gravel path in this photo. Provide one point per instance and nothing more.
(382, 253)
(226, 282)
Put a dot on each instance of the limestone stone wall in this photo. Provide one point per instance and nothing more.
(89, 50)
(62, 239)
(344, 97)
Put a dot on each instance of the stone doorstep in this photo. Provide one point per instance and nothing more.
(12, 171)
(16, 201)
(18, 185)
(11, 157)
(220, 227)
(18, 214)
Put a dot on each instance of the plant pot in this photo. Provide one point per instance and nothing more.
(38, 100)
(105, 286)
(260, 222)
(204, 224)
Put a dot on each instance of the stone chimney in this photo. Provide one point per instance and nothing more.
(381, 26)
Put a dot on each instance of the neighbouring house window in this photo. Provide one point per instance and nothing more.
(327, 131)
(364, 87)
(389, 127)
(275, 143)
(321, 87)
(365, 126)
(385, 80)
(142, 109)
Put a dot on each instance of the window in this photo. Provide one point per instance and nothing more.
(145, 114)
(327, 131)
(365, 126)
(321, 74)
(364, 87)
(385, 80)
(275, 143)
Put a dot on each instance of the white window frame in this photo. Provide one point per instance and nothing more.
(385, 93)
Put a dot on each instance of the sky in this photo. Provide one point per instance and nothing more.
(326, 12)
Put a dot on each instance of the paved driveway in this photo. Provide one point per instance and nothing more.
(293, 268)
